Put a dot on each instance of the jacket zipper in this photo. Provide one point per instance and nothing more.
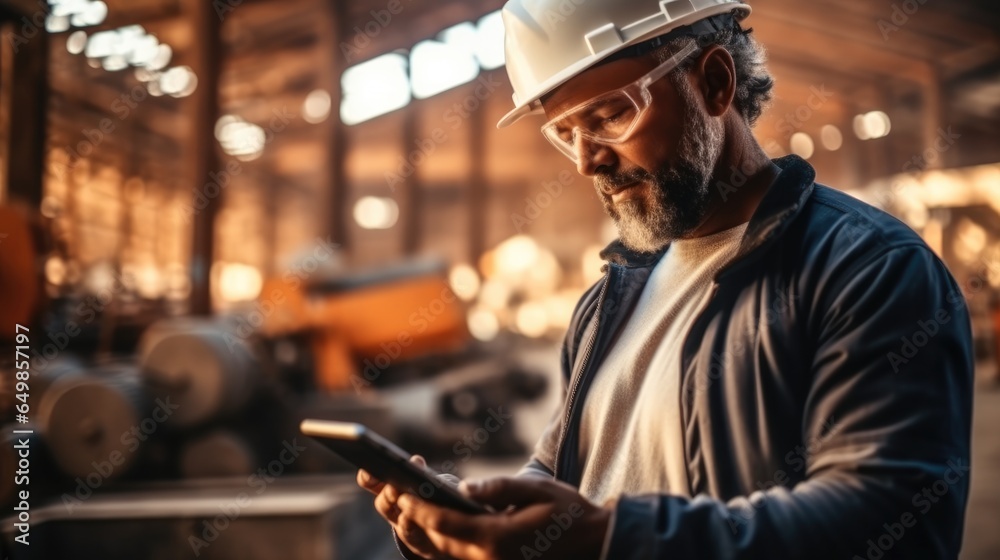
(583, 368)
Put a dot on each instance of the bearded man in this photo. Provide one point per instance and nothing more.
(769, 368)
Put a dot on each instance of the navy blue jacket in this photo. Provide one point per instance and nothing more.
(826, 391)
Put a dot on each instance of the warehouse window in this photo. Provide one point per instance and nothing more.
(384, 84)
(437, 66)
(373, 88)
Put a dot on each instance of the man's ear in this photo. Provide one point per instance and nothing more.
(717, 73)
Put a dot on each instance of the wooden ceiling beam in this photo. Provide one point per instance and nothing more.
(930, 20)
(833, 52)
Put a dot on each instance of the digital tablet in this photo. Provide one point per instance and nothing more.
(367, 450)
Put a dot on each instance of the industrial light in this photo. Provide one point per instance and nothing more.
(144, 50)
(79, 13)
(114, 63)
(239, 138)
(495, 294)
(373, 212)
(55, 270)
(464, 281)
(162, 57)
(176, 80)
(316, 107)
(94, 13)
(516, 255)
(871, 125)
(237, 281)
(483, 324)
(56, 24)
(76, 42)
(146, 279)
(531, 319)
(802, 145)
(101, 44)
(831, 137)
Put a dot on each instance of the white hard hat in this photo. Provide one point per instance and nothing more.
(547, 42)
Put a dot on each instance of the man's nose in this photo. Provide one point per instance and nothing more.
(592, 156)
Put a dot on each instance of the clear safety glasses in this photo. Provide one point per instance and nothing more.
(611, 117)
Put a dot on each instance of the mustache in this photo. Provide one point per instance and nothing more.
(610, 183)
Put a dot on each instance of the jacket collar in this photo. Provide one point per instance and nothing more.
(783, 200)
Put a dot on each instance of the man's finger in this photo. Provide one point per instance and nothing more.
(452, 548)
(506, 491)
(369, 482)
(448, 522)
(415, 538)
(386, 503)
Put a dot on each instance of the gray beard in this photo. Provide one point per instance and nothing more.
(681, 194)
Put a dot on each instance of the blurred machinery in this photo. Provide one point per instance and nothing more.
(174, 409)
(398, 336)
(360, 324)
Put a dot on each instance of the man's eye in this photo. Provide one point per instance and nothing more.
(613, 114)
(616, 116)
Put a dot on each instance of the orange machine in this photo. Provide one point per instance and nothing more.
(362, 324)
(20, 289)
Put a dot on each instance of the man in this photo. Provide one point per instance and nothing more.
(769, 369)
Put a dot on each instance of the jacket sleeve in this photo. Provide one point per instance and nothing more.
(892, 363)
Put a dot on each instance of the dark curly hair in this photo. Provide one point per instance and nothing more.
(754, 83)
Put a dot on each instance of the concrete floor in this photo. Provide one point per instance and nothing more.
(982, 521)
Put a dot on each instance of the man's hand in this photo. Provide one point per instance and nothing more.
(386, 504)
(539, 518)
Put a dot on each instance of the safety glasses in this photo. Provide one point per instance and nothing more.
(609, 118)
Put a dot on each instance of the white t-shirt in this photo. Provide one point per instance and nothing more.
(631, 438)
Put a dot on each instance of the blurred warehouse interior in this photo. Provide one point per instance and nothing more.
(268, 210)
